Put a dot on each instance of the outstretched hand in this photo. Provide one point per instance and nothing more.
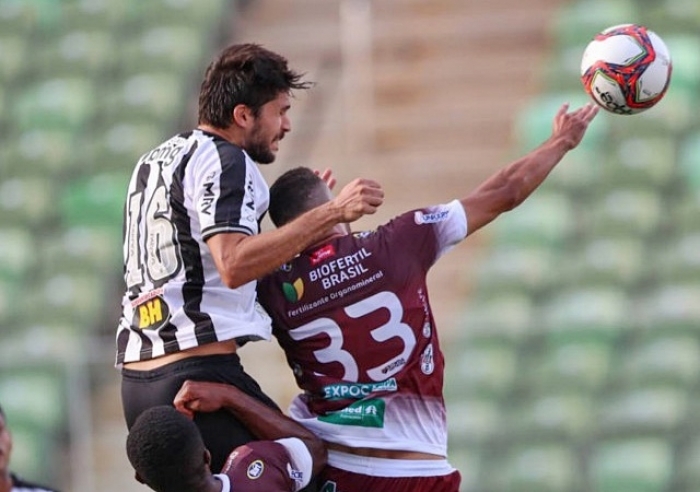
(359, 197)
(199, 396)
(570, 127)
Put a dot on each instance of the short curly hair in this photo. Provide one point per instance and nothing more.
(167, 451)
(244, 74)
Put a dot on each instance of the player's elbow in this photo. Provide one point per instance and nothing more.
(232, 279)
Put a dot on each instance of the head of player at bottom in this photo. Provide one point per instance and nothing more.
(167, 452)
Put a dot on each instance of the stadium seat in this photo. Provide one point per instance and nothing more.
(101, 15)
(544, 219)
(97, 200)
(578, 173)
(634, 465)
(42, 152)
(641, 161)
(582, 366)
(508, 268)
(689, 161)
(472, 420)
(18, 253)
(66, 297)
(95, 249)
(17, 17)
(623, 211)
(683, 216)
(65, 103)
(504, 317)
(176, 49)
(677, 258)
(671, 308)
(543, 467)
(564, 415)
(672, 359)
(148, 97)
(34, 396)
(484, 369)
(89, 52)
(27, 201)
(587, 313)
(648, 410)
(688, 465)
(119, 146)
(32, 452)
(200, 14)
(13, 49)
(603, 261)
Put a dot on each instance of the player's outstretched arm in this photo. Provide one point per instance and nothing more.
(510, 186)
(240, 258)
(264, 422)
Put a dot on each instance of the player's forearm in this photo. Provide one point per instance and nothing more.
(256, 256)
(510, 186)
(524, 176)
(268, 424)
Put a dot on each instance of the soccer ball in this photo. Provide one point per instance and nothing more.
(626, 69)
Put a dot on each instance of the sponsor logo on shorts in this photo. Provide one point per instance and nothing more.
(365, 413)
(431, 218)
(255, 469)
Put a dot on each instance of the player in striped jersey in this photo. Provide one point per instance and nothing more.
(168, 454)
(353, 316)
(9, 482)
(192, 243)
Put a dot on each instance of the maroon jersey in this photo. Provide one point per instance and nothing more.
(273, 466)
(355, 322)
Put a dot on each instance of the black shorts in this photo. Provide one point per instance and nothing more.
(221, 431)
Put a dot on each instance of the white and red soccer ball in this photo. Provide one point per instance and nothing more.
(626, 69)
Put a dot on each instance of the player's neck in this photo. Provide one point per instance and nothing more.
(229, 134)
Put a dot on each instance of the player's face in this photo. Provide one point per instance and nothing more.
(5, 446)
(270, 126)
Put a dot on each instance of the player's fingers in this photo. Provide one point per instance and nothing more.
(563, 109)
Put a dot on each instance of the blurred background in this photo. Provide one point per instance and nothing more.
(570, 325)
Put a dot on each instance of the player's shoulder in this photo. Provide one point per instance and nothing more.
(260, 465)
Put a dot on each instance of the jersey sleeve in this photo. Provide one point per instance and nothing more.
(222, 197)
(301, 461)
(264, 465)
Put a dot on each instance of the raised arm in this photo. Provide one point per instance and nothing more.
(241, 258)
(510, 186)
(264, 422)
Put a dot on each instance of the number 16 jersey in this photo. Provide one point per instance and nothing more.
(355, 322)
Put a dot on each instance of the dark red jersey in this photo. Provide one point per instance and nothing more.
(354, 319)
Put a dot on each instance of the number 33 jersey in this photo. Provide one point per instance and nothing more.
(354, 319)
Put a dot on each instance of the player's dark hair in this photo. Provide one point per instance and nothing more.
(2, 412)
(167, 451)
(290, 194)
(244, 74)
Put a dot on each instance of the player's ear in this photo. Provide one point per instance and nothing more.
(138, 478)
(207, 458)
(242, 116)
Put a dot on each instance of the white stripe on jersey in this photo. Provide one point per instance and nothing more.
(189, 188)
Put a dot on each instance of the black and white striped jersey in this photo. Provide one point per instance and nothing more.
(184, 191)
